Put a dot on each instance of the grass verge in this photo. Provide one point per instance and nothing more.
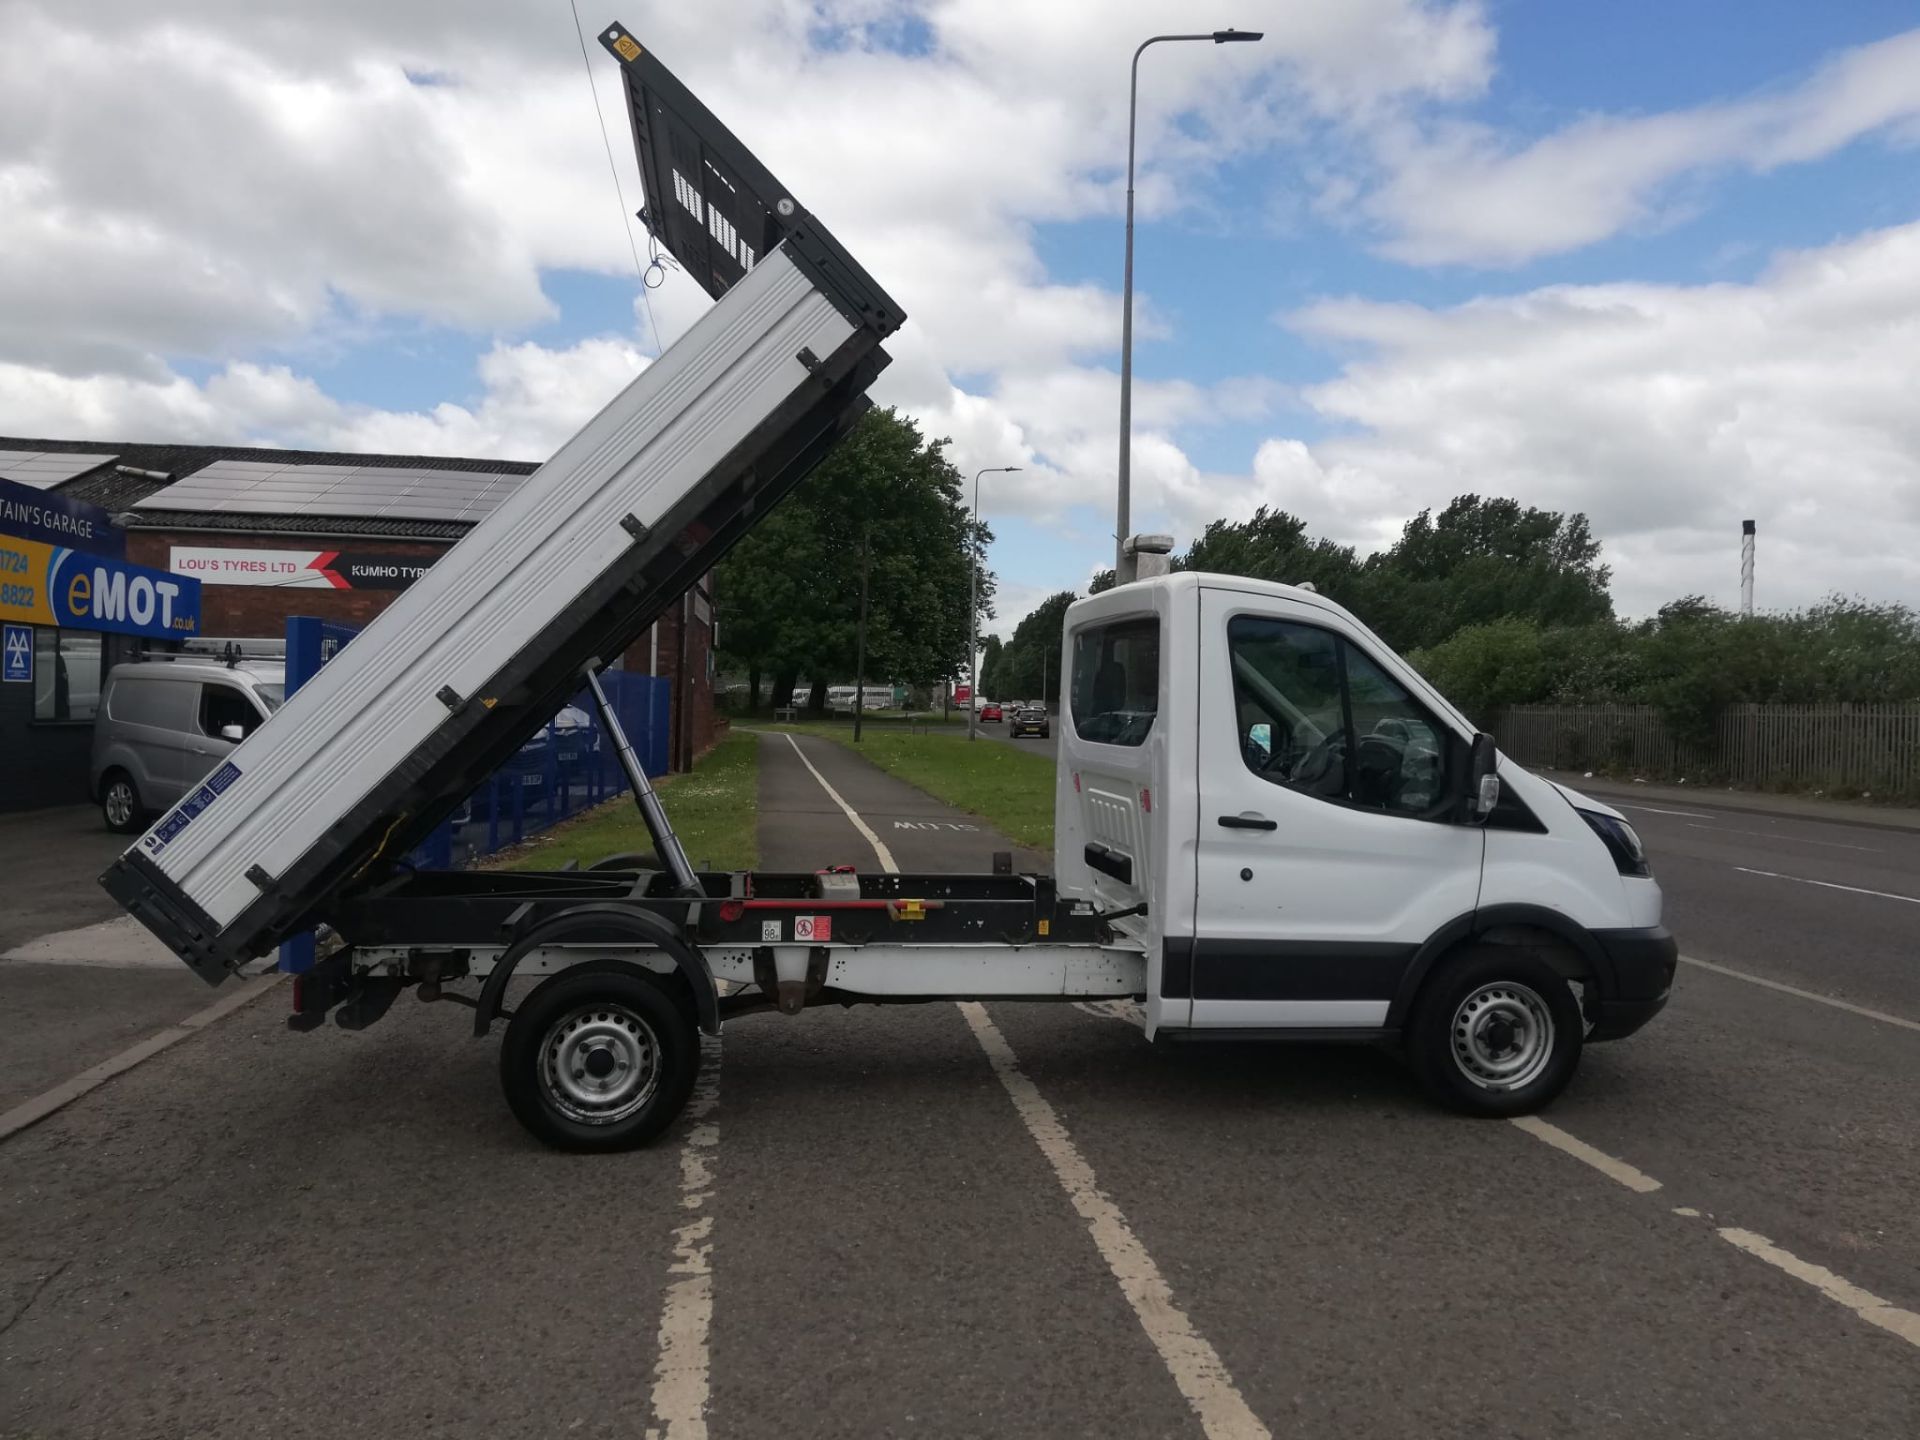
(714, 810)
(1008, 787)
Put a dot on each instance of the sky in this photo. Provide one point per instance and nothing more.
(1656, 263)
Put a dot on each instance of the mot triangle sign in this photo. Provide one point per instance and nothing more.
(16, 650)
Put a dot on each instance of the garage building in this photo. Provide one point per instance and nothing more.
(268, 534)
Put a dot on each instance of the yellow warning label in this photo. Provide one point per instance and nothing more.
(628, 50)
(1046, 927)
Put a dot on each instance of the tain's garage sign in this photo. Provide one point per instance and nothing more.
(52, 585)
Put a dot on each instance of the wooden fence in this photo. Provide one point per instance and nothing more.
(1842, 749)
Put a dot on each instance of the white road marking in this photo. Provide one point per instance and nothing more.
(1829, 885)
(879, 846)
(1195, 1365)
(1655, 810)
(1798, 993)
(681, 1369)
(1616, 1170)
(1790, 839)
(31, 1112)
(1868, 1306)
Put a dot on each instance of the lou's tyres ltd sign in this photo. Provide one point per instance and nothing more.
(44, 584)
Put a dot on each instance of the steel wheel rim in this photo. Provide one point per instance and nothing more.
(119, 802)
(1502, 1036)
(599, 1064)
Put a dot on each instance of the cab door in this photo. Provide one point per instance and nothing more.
(1328, 845)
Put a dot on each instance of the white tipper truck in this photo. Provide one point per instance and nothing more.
(1267, 825)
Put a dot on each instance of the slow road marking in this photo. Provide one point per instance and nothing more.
(1195, 1365)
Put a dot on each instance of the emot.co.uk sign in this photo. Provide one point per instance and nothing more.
(53, 585)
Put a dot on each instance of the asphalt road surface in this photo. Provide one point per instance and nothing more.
(1020, 1220)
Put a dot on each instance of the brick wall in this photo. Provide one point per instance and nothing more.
(694, 730)
(261, 611)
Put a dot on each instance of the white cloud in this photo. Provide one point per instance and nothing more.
(1667, 413)
(534, 398)
(249, 182)
(1463, 193)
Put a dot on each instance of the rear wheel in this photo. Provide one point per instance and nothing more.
(1496, 1031)
(120, 803)
(599, 1058)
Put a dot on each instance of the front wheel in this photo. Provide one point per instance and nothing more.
(1496, 1031)
(120, 803)
(599, 1058)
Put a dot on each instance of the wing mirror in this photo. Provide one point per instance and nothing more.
(1483, 780)
(232, 732)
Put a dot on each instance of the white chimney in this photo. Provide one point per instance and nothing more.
(1746, 568)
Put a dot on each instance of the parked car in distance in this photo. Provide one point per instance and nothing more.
(991, 711)
(1031, 720)
(164, 724)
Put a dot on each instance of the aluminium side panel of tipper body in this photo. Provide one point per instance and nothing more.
(362, 761)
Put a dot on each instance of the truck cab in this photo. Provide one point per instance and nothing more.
(1292, 821)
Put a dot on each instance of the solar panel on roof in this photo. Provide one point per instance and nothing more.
(43, 469)
(356, 491)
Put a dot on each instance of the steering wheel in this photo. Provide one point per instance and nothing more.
(1320, 763)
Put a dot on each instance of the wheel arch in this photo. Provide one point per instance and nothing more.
(1565, 944)
(598, 921)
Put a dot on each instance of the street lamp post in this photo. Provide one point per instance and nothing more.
(1218, 37)
(973, 601)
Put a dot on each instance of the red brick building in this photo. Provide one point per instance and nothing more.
(275, 533)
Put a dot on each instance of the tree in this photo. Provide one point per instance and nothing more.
(1480, 561)
(1029, 666)
(1274, 545)
(988, 680)
(792, 585)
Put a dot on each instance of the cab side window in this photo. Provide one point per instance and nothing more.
(1115, 693)
(1317, 715)
(222, 705)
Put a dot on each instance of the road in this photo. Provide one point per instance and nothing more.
(1018, 1220)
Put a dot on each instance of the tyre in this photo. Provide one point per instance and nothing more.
(1496, 1031)
(599, 1058)
(120, 803)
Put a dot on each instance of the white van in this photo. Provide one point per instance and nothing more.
(163, 724)
(1295, 836)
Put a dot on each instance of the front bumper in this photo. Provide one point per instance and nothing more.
(1640, 963)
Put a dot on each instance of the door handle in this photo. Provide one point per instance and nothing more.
(1248, 822)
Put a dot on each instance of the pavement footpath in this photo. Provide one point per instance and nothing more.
(79, 981)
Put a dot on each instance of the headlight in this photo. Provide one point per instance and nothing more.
(1629, 855)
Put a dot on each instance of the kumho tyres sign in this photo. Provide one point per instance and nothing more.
(53, 585)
